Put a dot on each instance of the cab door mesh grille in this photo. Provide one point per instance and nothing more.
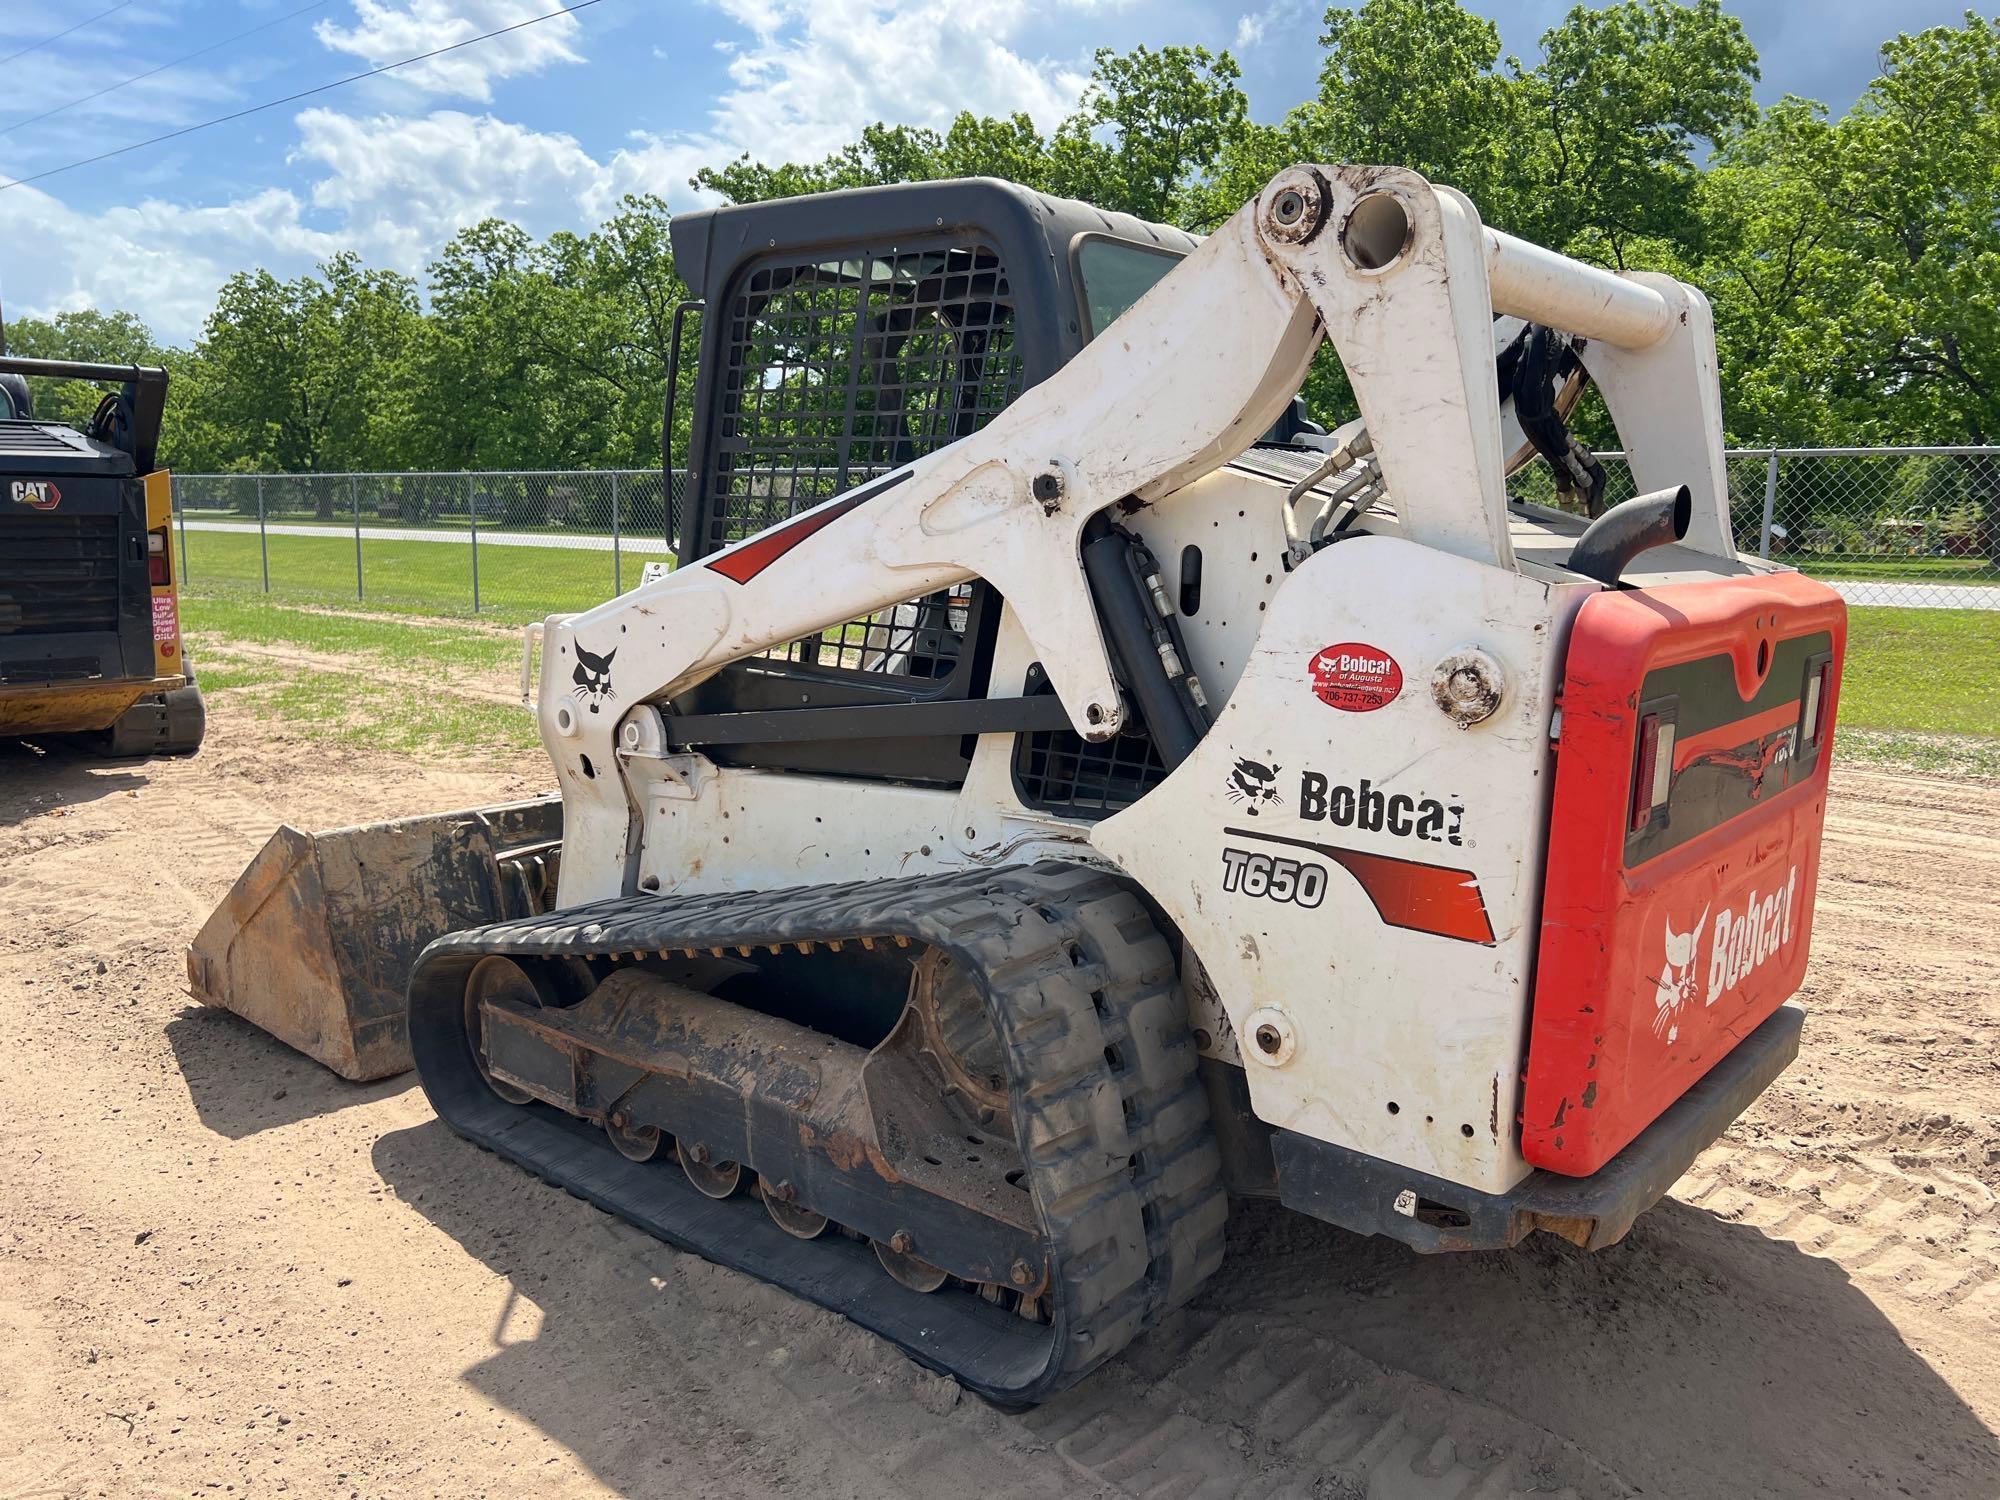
(833, 371)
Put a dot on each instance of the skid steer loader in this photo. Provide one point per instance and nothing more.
(1060, 790)
(90, 630)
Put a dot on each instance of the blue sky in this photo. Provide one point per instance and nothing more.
(551, 124)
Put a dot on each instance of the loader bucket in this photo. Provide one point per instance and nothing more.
(316, 939)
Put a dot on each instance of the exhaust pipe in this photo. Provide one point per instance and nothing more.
(1640, 524)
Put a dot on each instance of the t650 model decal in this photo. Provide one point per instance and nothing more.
(1406, 893)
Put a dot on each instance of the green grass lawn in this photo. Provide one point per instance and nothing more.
(1921, 689)
(413, 686)
(415, 577)
(1971, 571)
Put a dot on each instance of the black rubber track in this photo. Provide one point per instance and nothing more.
(1113, 1126)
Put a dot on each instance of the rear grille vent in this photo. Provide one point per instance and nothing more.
(39, 440)
(58, 574)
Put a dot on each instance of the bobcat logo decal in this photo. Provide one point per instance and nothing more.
(593, 677)
(1677, 977)
(1252, 782)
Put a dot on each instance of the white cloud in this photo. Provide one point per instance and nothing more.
(402, 186)
(159, 259)
(1288, 21)
(393, 189)
(386, 31)
(802, 80)
(816, 71)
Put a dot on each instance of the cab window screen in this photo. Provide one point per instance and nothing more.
(1115, 274)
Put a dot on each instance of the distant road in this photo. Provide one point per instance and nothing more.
(630, 542)
(1902, 595)
(1919, 595)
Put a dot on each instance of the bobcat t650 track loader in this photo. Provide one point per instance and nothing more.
(1060, 789)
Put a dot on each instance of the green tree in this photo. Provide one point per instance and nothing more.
(1621, 105)
(86, 334)
(293, 374)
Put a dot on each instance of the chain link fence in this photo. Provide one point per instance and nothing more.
(516, 545)
(1910, 536)
(1898, 527)
(1912, 528)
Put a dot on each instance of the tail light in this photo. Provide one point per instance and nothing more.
(1813, 699)
(159, 559)
(1653, 777)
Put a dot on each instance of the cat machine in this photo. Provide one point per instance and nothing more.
(1060, 792)
(90, 634)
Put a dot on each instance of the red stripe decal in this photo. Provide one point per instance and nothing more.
(1737, 732)
(746, 560)
(1406, 893)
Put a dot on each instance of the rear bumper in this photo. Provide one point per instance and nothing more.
(73, 707)
(1371, 1196)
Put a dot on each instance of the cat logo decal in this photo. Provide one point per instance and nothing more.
(1252, 782)
(1746, 935)
(42, 494)
(1677, 977)
(593, 677)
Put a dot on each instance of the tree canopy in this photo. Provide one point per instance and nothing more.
(1854, 262)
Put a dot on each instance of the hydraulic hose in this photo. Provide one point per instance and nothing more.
(1148, 657)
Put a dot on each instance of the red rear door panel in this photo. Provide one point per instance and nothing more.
(1661, 947)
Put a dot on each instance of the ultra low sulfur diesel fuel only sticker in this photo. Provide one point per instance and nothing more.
(1354, 677)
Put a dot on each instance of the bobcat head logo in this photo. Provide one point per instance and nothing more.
(1677, 977)
(593, 677)
(1252, 782)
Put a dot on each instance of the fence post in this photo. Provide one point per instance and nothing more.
(181, 514)
(472, 507)
(354, 498)
(617, 562)
(1770, 502)
(263, 537)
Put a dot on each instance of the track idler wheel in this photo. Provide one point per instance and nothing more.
(715, 1179)
(499, 978)
(916, 1273)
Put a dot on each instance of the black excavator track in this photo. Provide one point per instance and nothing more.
(1111, 1124)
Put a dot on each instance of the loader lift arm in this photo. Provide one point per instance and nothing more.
(1399, 274)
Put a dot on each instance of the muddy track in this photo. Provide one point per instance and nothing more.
(223, 1267)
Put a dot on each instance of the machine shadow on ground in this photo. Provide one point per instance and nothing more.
(1699, 1357)
(38, 776)
(243, 1080)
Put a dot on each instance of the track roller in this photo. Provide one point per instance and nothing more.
(712, 1178)
(634, 1142)
(916, 1273)
(800, 1223)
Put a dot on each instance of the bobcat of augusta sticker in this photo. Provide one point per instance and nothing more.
(1354, 677)
(1742, 939)
(42, 494)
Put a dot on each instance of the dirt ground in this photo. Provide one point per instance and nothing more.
(225, 1271)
